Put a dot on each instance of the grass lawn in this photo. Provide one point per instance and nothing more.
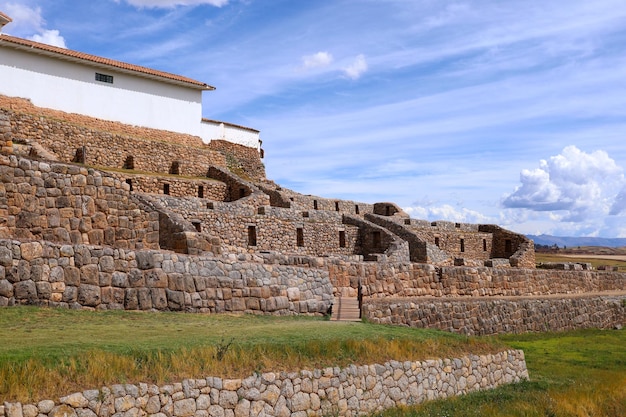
(47, 353)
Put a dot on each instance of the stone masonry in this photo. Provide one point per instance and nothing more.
(351, 391)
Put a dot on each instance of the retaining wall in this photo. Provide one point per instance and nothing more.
(81, 276)
(493, 316)
(351, 391)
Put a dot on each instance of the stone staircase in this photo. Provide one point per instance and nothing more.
(346, 309)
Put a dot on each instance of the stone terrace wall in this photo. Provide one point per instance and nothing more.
(507, 244)
(111, 149)
(80, 276)
(394, 279)
(487, 317)
(240, 159)
(16, 105)
(274, 229)
(178, 187)
(70, 204)
(355, 390)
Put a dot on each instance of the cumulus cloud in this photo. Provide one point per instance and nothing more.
(50, 37)
(574, 186)
(164, 4)
(356, 68)
(27, 20)
(317, 60)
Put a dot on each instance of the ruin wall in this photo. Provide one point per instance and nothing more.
(71, 204)
(493, 316)
(82, 276)
(350, 391)
(241, 160)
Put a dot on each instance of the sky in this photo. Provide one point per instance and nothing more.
(479, 111)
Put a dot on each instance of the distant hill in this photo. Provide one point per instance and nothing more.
(570, 242)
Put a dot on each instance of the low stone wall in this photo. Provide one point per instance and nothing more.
(175, 186)
(351, 391)
(493, 316)
(240, 159)
(80, 276)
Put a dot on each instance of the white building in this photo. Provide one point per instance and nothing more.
(76, 82)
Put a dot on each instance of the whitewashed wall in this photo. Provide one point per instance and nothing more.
(213, 129)
(71, 87)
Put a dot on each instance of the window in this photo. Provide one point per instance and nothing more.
(104, 78)
(437, 241)
(175, 168)
(198, 226)
(336, 205)
(484, 245)
(129, 162)
(251, 235)
(376, 239)
(201, 191)
(342, 239)
(462, 245)
(356, 209)
(508, 246)
(314, 204)
(300, 236)
(166, 189)
(242, 192)
(130, 184)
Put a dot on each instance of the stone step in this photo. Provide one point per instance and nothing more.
(346, 309)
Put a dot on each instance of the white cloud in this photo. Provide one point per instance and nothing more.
(153, 4)
(357, 68)
(448, 213)
(573, 186)
(50, 37)
(317, 60)
(27, 20)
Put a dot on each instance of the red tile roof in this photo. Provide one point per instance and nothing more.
(5, 17)
(68, 54)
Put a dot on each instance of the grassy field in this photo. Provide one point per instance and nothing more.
(51, 352)
(595, 260)
(48, 353)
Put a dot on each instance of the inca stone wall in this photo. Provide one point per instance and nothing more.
(70, 204)
(175, 186)
(355, 390)
(397, 279)
(492, 316)
(81, 276)
(242, 160)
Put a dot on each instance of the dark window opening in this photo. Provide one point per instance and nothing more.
(251, 235)
(104, 78)
(484, 245)
(457, 225)
(300, 236)
(130, 184)
(508, 246)
(242, 192)
(356, 209)
(342, 239)
(314, 204)
(462, 245)
(387, 211)
(261, 210)
(376, 239)
(198, 226)
(437, 241)
(336, 205)
(262, 153)
(201, 191)
(175, 168)
(305, 214)
(129, 162)
(166, 189)
(80, 155)
(209, 205)
(407, 221)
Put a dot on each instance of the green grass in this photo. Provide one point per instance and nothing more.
(580, 373)
(52, 352)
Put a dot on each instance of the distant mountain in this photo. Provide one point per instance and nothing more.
(572, 242)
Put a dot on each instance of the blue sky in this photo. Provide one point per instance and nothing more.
(481, 111)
